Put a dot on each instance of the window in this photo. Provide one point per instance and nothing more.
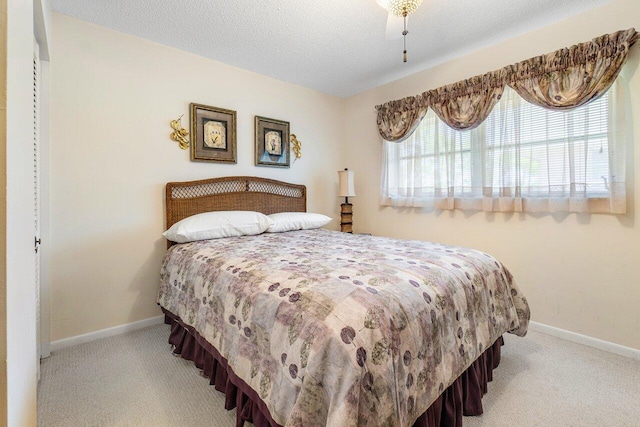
(521, 158)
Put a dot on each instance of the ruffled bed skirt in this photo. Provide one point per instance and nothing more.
(463, 397)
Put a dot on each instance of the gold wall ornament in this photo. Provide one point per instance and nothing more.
(296, 146)
(179, 133)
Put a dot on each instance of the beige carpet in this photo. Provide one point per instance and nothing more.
(133, 380)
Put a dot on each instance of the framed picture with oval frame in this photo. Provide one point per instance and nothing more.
(272, 142)
(213, 132)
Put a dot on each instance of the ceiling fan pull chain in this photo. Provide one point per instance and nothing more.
(404, 37)
(401, 8)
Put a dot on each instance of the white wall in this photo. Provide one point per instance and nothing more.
(579, 272)
(112, 98)
(3, 211)
(21, 310)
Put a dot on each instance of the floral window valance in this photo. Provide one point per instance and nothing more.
(560, 80)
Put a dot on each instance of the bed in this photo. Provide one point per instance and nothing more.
(318, 327)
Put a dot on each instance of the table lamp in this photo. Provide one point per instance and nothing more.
(346, 190)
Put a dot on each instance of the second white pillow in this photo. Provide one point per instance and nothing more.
(289, 221)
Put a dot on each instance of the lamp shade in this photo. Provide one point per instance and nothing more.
(403, 7)
(400, 7)
(347, 189)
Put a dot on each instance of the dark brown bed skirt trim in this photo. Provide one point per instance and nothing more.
(463, 397)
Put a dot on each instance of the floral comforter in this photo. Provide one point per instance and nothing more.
(338, 329)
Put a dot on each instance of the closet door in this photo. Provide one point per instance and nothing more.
(36, 188)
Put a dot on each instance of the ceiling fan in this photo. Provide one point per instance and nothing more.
(399, 11)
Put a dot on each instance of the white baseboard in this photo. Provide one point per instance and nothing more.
(105, 333)
(585, 340)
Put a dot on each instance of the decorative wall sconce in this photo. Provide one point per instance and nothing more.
(346, 190)
(296, 146)
(179, 133)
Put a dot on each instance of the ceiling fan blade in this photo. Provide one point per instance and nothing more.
(395, 26)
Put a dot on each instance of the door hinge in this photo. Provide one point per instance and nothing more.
(37, 243)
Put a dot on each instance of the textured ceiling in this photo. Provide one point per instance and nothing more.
(334, 46)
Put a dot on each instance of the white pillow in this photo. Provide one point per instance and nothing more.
(288, 221)
(214, 225)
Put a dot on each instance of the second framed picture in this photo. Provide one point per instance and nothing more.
(272, 142)
(213, 133)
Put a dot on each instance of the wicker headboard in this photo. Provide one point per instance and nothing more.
(233, 193)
